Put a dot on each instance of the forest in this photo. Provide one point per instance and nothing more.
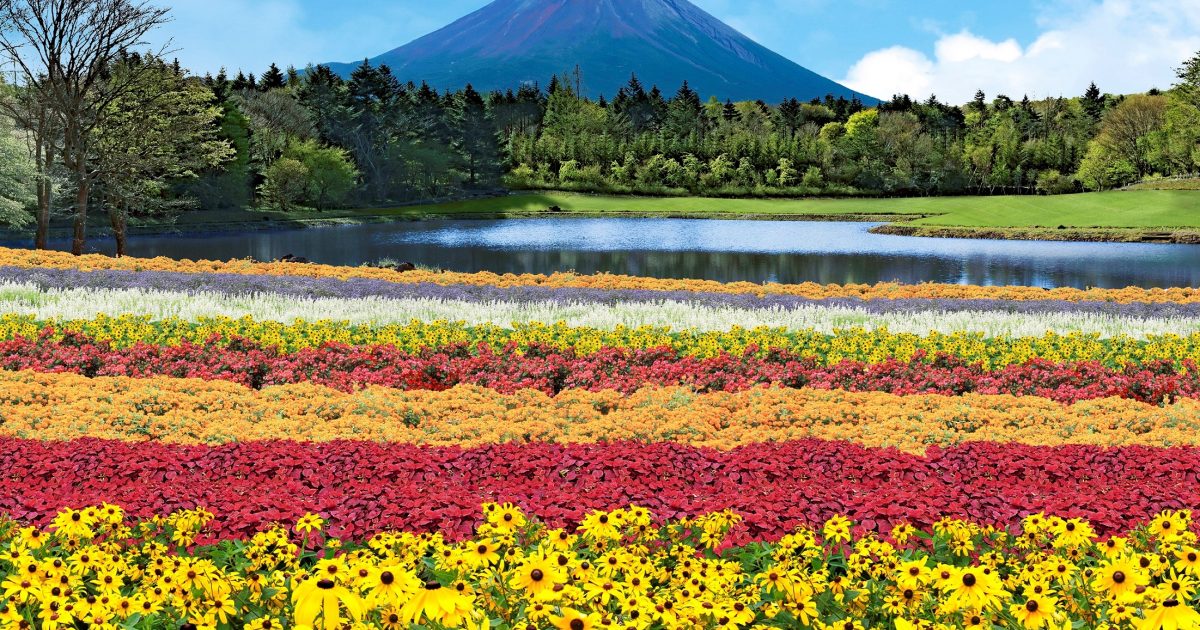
(146, 138)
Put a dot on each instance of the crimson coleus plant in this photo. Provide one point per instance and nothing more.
(365, 487)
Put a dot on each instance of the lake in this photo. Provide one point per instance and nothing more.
(756, 251)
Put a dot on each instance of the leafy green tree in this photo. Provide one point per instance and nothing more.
(1132, 132)
(64, 52)
(331, 173)
(161, 130)
(285, 184)
(1189, 80)
(18, 176)
(1182, 125)
(1102, 169)
(276, 119)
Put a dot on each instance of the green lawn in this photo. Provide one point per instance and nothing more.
(533, 203)
(1126, 209)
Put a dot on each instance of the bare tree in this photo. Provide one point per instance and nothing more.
(64, 49)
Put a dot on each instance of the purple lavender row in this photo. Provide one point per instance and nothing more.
(298, 286)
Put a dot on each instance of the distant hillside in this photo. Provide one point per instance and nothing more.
(665, 42)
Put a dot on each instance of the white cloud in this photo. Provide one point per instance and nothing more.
(966, 47)
(1122, 45)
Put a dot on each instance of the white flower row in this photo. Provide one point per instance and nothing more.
(87, 303)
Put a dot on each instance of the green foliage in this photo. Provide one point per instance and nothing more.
(330, 172)
(17, 176)
(286, 183)
(1052, 182)
(1103, 169)
(161, 131)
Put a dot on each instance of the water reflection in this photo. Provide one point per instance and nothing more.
(757, 251)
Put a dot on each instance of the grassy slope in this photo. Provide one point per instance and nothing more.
(1133, 209)
(536, 203)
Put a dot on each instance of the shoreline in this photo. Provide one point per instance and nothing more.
(1066, 234)
(271, 224)
(895, 218)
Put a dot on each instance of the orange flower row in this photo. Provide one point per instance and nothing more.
(68, 406)
(92, 262)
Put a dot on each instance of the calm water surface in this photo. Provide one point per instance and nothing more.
(757, 251)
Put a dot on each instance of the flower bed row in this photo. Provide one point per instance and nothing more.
(869, 346)
(362, 488)
(551, 370)
(67, 406)
(62, 260)
(517, 573)
(231, 284)
(84, 303)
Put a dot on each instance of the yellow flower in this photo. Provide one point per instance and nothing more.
(324, 597)
(1038, 611)
(1118, 578)
(837, 529)
(309, 523)
(572, 619)
(536, 576)
(1170, 615)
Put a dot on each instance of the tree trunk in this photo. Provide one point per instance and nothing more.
(45, 161)
(45, 192)
(119, 218)
(83, 188)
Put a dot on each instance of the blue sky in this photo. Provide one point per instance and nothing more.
(1040, 47)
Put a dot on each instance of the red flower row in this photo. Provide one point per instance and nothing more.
(364, 487)
(552, 370)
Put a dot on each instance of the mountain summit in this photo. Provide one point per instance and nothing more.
(664, 42)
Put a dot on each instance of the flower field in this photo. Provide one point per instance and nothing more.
(250, 445)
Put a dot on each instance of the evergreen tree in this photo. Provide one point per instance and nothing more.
(791, 115)
(221, 87)
(240, 83)
(979, 103)
(729, 112)
(1093, 102)
(272, 79)
(684, 113)
(476, 137)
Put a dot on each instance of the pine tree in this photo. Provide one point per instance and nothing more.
(1093, 102)
(272, 79)
(791, 115)
(240, 83)
(729, 112)
(979, 103)
(221, 87)
(684, 113)
(476, 137)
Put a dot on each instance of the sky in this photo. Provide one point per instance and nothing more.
(1039, 48)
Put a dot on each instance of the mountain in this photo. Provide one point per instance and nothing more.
(665, 42)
